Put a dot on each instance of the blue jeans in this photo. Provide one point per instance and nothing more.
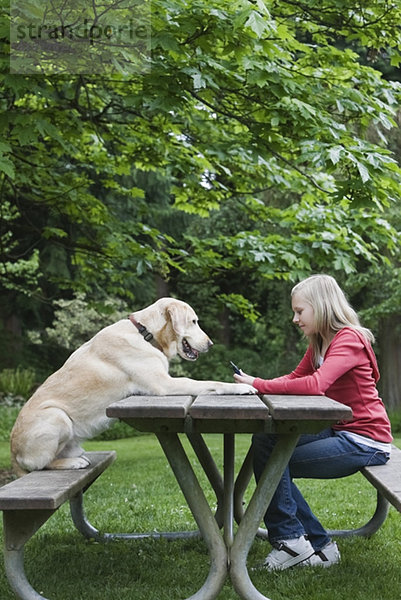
(327, 455)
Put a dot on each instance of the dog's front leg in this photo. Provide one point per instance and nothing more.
(166, 385)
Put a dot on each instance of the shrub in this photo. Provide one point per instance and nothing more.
(8, 414)
(76, 321)
(16, 385)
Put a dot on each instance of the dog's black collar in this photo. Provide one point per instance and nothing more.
(142, 329)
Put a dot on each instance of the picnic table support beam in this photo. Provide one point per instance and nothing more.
(241, 483)
(229, 452)
(14, 567)
(19, 526)
(373, 525)
(91, 533)
(202, 513)
(254, 513)
(211, 471)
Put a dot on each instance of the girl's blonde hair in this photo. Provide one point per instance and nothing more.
(331, 309)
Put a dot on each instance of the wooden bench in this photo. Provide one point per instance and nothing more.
(27, 503)
(387, 481)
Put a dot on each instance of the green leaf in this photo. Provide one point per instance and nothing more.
(335, 153)
(257, 23)
(49, 232)
(7, 167)
(363, 171)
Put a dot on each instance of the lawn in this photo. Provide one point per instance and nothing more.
(139, 493)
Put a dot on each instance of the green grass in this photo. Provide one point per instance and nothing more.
(139, 493)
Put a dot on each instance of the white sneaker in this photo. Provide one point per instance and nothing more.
(288, 553)
(327, 556)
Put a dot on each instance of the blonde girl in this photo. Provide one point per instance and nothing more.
(339, 363)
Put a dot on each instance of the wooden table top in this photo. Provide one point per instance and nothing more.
(254, 412)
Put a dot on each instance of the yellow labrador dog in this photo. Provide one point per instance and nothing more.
(128, 357)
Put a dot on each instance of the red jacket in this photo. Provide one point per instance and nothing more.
(348, 374)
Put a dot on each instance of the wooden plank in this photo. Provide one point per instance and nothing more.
(387, 478)
(155, 407)
(311, 408)
(49, 489)
(236, 407)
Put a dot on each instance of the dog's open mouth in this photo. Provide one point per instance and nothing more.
(190, 353)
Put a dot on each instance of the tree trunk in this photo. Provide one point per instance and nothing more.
(389, 341)
(162, 287)
(12, 346)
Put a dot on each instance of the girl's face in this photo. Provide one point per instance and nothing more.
(304, 315)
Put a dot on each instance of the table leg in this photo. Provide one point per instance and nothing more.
(202, 513)
(228, 511)
(241, 484)
(257, 507)
(19, 526)
(211, 471)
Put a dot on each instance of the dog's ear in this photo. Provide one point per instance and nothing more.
(177, 317)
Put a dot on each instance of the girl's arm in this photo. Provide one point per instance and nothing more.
(344, 354)
(304, 368)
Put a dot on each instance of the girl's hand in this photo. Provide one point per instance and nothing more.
(244, 378)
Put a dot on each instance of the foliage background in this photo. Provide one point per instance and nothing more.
(250, 144)
(256, 143)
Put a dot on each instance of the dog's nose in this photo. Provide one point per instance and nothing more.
(209, 343)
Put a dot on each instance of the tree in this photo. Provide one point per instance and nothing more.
(254, 115)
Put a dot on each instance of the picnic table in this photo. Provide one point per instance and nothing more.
(287, 416)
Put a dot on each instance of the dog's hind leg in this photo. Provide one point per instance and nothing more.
(50, 444)
(70, 457)
(77, 462)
